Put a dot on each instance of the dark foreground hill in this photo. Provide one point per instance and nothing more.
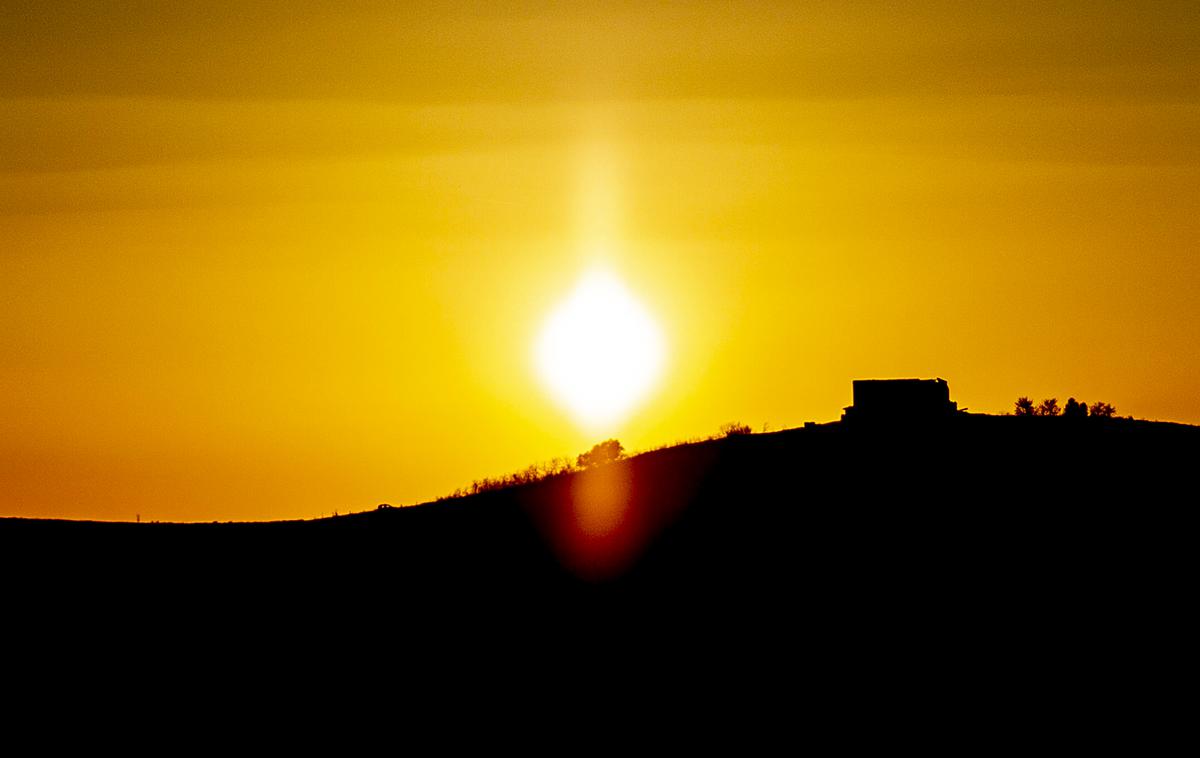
(948, 511)
(1015, 544)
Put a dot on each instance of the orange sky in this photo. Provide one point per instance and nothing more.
(285, 261)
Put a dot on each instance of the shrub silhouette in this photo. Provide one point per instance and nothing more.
(1103, 410)
(601, 453)
(534, 473)
(1024, 407)
(735, 428)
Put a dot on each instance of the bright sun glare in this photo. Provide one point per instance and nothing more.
(600, 351)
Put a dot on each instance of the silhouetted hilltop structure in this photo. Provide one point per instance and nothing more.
(900, 400)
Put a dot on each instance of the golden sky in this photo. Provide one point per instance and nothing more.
(281, 260)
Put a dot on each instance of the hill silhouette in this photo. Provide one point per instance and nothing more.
(941, 501)
(1011, 546)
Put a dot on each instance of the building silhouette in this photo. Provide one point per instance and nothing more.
(900, 400)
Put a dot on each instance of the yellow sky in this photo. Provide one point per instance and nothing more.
(284, 261)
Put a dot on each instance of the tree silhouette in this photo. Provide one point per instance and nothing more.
(1048, 407)
(1073, 409)
(601, 453)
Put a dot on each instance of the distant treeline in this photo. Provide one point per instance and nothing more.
(1073, 408)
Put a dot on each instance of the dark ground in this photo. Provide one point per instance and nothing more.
(981, 550)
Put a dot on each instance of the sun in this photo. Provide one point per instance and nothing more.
(600, 351)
